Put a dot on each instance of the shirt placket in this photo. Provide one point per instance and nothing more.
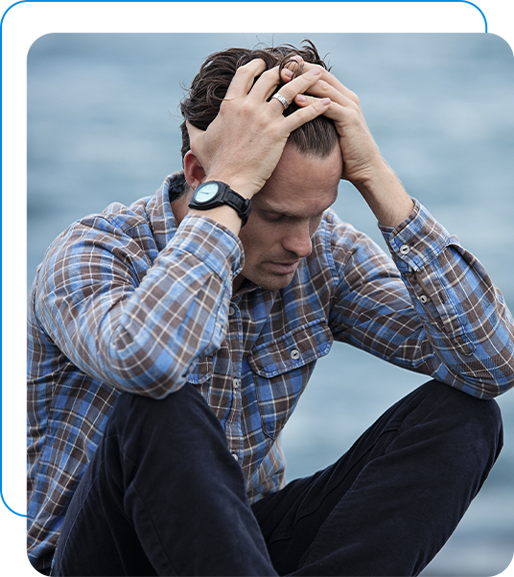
(233, 427)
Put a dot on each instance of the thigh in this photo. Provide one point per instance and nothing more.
(160, 497)
(291, 518)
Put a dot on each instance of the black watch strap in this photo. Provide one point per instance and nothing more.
(213, 193)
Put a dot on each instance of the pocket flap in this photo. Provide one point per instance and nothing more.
(201, 371)
(295, 349)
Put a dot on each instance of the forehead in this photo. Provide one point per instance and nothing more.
(301, 185)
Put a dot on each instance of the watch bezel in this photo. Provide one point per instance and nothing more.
(223, 195)
(203, 186)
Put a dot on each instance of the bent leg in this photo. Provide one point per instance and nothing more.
(390, 503)
(162, 496)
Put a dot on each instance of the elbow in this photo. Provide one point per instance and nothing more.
(152, 372)
(490, 383)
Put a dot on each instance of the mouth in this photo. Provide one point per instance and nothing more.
(284, 267)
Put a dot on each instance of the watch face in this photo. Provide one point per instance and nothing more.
(206, 192)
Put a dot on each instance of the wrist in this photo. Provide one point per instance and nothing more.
(237, 184)
(386, 196)
(212, 194)
(375, 175)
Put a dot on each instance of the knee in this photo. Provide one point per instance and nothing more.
(181, 415)
(476, 423)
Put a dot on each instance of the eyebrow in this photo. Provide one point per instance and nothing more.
(269, 208)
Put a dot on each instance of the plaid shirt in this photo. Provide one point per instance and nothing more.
(127, 301)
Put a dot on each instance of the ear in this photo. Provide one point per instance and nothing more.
(193, 170)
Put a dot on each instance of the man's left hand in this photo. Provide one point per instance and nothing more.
(363, 164)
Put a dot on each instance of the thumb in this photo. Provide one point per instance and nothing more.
(194, 133)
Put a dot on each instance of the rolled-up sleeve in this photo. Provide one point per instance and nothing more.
(464, 315)
(431, 309)
(131, 323)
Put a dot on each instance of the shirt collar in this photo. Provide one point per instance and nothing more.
(160, 213)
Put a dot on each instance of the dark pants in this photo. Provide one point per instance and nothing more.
(163, 495)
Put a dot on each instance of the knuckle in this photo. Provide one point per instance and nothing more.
(324, 86)
(252, 63)
(246, 106)
(243, 70)
(271, 73)
(226, 104)
(354, 97)
(250, 68)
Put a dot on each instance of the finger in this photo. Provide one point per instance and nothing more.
(193, 130)
(343, 116)
(323, 89)
(331, 80)
(300, 84)
(315, 107)
(266, 85)
(194, 133)
(244, 78)
(333, 111)
(292, 68)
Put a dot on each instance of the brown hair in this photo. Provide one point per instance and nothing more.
(201, 106)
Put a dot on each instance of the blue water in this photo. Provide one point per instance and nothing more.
(103, 126)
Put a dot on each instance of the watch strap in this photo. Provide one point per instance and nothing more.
(225, 195)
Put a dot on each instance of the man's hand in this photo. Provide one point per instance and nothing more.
(363, 165)
(244, 143)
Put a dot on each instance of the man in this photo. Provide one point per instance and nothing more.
(208, 305)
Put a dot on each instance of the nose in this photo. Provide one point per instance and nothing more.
(298, 241)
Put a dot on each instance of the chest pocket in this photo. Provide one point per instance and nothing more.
(201, 376)
(201, 371)
(282, 369)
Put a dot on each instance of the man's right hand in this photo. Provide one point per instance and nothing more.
(244, 143)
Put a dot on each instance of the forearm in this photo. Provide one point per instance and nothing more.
(385, 195)
(467, 323)
(144, 337)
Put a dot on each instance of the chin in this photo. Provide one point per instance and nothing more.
(273, 283)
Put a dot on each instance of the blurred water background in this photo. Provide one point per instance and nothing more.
(103, 125)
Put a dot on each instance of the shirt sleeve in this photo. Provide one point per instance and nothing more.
(133, 324)
(436, 311)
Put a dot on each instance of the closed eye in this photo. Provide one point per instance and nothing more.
(276, 216)
(272, 216)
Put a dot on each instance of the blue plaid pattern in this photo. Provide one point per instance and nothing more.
(127, 301)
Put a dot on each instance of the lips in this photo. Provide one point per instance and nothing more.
(284, 267)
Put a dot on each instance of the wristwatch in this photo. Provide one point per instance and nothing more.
(214, 193)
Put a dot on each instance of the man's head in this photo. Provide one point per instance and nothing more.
(285, 216)
(201, 106)
(288, 209)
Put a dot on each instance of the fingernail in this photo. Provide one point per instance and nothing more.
(288, 73)
(325, 101)
(301, 98)
(314, 71)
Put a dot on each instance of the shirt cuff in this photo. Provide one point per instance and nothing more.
(416, 241)
(211, 242)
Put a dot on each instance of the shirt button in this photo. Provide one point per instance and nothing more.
(423, 299)
(236, 456)
(405, 249)
(295, 354)
(231, 311)
(235, 382)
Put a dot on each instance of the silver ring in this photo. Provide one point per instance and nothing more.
(281, 99)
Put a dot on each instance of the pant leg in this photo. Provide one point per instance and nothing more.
(390, 503)
(162, 496)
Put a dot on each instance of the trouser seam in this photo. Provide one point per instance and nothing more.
(163, 549)
(62, 545)
(285, 535)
